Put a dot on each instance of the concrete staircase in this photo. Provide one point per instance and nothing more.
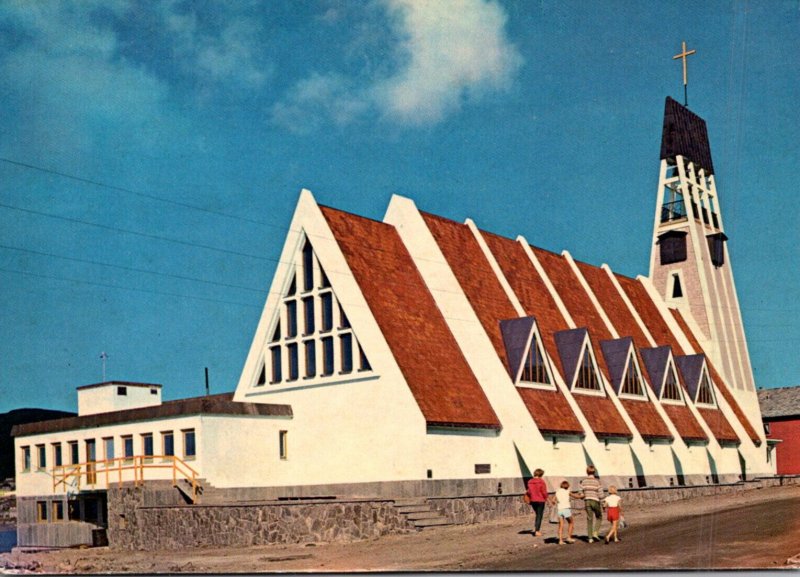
(420, 514)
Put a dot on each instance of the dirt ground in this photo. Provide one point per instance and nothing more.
(503, 544)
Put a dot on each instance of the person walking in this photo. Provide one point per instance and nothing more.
(592, 492)
(537, 493)
(562, 501)
(614, 504)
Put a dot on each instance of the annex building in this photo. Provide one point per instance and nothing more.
(419, 356)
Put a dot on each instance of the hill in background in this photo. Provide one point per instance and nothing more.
(19, 417)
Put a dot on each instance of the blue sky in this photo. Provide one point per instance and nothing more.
(201, 121)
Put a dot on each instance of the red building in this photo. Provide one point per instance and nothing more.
(780, 411)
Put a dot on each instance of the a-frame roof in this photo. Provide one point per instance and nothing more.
(444, 386)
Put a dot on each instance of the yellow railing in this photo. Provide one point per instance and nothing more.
(112, 470)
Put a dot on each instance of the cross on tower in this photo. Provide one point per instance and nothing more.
(683, 56)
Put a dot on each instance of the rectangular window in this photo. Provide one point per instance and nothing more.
(168, 443)
(58, 510)
(108, 448)
(327, 311)
(189, 449)
(283, 449)
(26, 458)
(41, 457)
(327, 356)
(122, 391)
(41, 511)
(311, 358)
(672, 247)
(277, 374)
(127, 446)
(147, 445)
(91, 458)
(291, 319)
(57, 458)
(346, 344)
(308, 314)
(74, 457)
(293, 361)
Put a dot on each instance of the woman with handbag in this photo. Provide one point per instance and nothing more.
(537, 497)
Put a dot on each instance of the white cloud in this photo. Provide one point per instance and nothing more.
(448, 53)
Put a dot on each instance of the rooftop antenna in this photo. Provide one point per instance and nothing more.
(207, 389)
(683, 56)
(104, 356)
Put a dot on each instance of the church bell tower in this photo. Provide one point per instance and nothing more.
(689, 263)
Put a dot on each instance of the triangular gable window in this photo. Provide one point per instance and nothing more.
(323, 348)
(534, 369)
(586, 378)
(705, 394)
(671, 390)
(632, 381)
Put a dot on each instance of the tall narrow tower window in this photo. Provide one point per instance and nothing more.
(308, 266)
(677, 290)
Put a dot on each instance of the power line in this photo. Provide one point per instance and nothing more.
(130, 191)
(106, 285)
(133, 232)
(131, 269)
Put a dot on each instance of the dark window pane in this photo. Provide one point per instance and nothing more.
(308, 266)
(169, 444)
(147, 445)
(128, 446)
(291, 319)
(327, 312)
(363, 363)
(189, 449)
(308, 309)
(277, 374)
(346, 342)
(57, 455)
(327, 356)
(293, 368)
(311, 358)
(672, 247)
(324, 282)
(343, 322)
(276, 336)
(74, 457)
(292, 287)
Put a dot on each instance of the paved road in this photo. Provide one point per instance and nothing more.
(759, 535)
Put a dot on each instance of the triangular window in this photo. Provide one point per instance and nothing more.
(307, 341)
(705, 394)
(534, 369)
(671, 390)
(587, 374)
(632, 382)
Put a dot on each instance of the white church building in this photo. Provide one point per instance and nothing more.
(418, 355)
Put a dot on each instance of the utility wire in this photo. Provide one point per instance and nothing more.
(133, 232)
(130, 191)
(131, 269)
(149, 291)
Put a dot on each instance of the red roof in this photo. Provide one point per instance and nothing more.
(721, 384)
(644, 415)
(549, 409)
(445, 388)
(601, 412)
(658, 327)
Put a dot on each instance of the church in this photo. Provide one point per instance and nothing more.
(419, 356)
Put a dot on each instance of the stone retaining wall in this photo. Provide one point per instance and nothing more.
(132, 526)
(135, 523)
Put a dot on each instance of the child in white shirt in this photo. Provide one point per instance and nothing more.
(562, 501)
(614, 504)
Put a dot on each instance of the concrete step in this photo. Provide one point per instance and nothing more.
(410, 502)
(431, 523)
(423, 515)
(407, 509)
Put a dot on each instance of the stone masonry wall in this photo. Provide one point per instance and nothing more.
(134, 523)
(176, 527)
